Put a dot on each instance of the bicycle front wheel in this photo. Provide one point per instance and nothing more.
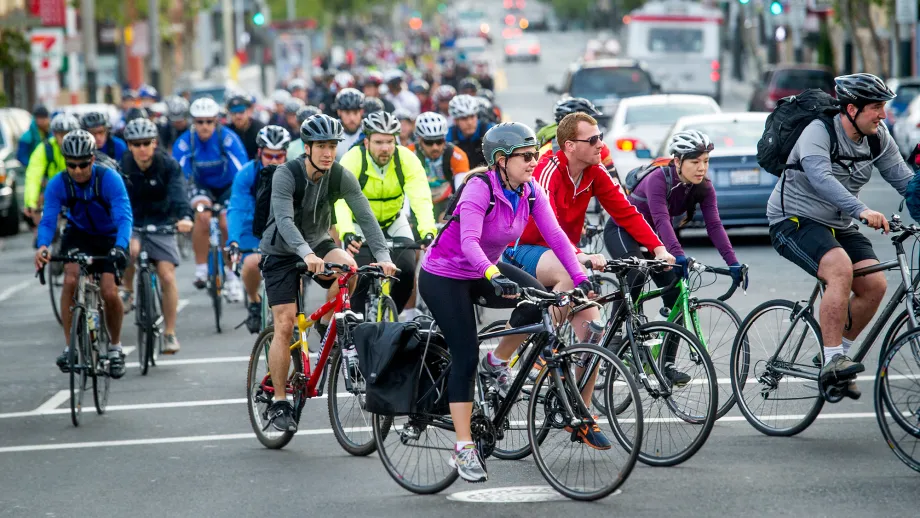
(351, 423)
(215, 285)
(55, 283)
(260, 392)
(79, 340)
(102, 381)
(897, 384)
(142, 315)
(388, 311)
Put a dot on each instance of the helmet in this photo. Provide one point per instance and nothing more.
(403, 114)
(344, 80)
(373, 104)
(147, 92)
(204, 107)
(94, 120)
(176, 108)
(280, 96)
(431, 125)
(380, 122)
(136, 113)
(573, 105)
(689, 142)
(78, 144)
(486, 110)
(349, 99)
(505, 138)
(306, 112)
(463, 106)
(273, 137)
(238, 103)
(485, 93)
(141, 129)
(444, 93)
(419, 86)
(158, 108)
(64, 123)
(373, 78)
(394, 76)
(293, 105)
(470, 83)
(321, 127)
(297, 84)
(862, 89)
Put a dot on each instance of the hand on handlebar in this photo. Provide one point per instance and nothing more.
(505, 287)
(874, 219)
(184, 225)
(352, 243)
(233, 250)
(597, 261)
(389, 269)
(315, 265)
(739, 275)
(684, 264)
(662, 254)
(42, 256)
(588, 289)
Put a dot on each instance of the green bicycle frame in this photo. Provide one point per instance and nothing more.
(681, 306)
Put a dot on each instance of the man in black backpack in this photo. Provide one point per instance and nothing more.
(811, 210)
(302, 194)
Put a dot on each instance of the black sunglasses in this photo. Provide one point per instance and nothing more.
(78, 165)
(528, 156)
(436, 142)
(593, 140)
(140, 143)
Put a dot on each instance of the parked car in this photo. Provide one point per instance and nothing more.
(785, 80)
(906, 131)
(643, 122)
(14, 122)
(906, 89)
(523, 48)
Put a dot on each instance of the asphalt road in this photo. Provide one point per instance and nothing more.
(178, 442)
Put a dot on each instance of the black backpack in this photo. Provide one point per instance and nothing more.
(636, 175)
(260, 218)
(71, 187)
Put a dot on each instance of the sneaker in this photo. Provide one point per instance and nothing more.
(63, 362)
(840, 368)
(233, 289)
(172, 344)
(201, 282)
(852, 391)
(499, 375)
(127, 300)
(281, 416)
(590, 435)
(117, 364)
(678, 378)
(469, 464)
(254, 319)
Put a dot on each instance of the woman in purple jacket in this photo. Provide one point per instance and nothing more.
(463, 266)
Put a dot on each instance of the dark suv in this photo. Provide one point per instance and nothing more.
(785, 80)
(604, 81)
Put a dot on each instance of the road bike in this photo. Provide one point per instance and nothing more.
(148, 314)
(55, 276)
(380, 305)
(216, 274)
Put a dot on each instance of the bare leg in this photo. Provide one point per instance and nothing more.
(836, 270)
(166, 272)
(868, 293)
(279, 354)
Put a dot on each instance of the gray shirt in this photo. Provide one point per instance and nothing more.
(829, 192)
(284, 236)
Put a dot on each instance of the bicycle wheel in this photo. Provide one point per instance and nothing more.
(259, 391)
(388, 311)
(758, 388)
(565, 461)
(156, 344)
(79, 337)
(214, 285)
(415, 449)
(184, 241)
(142, 315)
(55, 283)
(351, 423)
(897, 384)
(100, 368)
(718, 326)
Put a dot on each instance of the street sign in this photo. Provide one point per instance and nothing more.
(47, 49)
(905, 11)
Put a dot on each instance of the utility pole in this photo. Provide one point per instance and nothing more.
(153, 24)
(88, 19)
(906, 16)
(226, 16)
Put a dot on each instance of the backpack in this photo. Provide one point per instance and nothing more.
(71, 188)
(260, 217)
(454, 199)
(912, 197)
(635, 176)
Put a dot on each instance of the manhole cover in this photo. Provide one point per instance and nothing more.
(508, 495)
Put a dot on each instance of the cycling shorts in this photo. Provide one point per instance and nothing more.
(804, 242)
(75, 241)
(211, 194)
(282, 280)
(525, 257)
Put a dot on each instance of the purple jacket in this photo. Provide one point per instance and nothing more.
(468, 247)
(651, 198)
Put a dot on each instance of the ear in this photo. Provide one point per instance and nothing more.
(852, 109)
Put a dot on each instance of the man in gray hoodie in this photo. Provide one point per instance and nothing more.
(298, 230)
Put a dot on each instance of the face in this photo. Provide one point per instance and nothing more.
(520, 164)
(381, 147)
(351, 119)
(322, 153)
(80, 169)
(694, 170)
(59, 137)
(279, 108)
(582, 148)
(271, 156)
(204, 128)
(406, 128)
(43, 123)
(467, 125)
(142, 150)
(869, 118)
(371, 90)
(101, 134)
(241, 119)
(291, 119)
(443, 106)
(434, 148)
(181, 124)
(300, 94)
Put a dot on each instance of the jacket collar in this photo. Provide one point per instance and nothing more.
(498, 190)
(587, 177)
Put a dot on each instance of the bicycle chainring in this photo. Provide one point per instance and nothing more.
(483, 433)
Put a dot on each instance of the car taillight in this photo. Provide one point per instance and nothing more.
(629, 144)
(535, 49)
(715, 65)
(714, 76)
(510, 49)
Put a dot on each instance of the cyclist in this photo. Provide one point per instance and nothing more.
(159, 196)
(371, 105)
(295, 148)
(811, 210)
(291, 108)
(244, 124)
(371, 88)
(46, 161)
(279, 97)
(273, 142)
(441, 98)
(177, 121)
(445, 164)
(298, 231)
(406, 127)
(39, 130)
(467, 130)
(399, 96)
(388, 174)
(462, 268)
(97, 123)
(547, 134)
(210, 156)
(348, 106)
(298, 88)
(98, 223)
(422, 90)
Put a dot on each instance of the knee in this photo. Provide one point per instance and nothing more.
(167, 276)
(110, 293)
(873, 286)
(836, 269)
(70, 279)
(524, 314)
(284, 322)
(202, 217)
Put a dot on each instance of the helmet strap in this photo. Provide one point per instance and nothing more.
(310, 159)
(505, 180)
(852, 119)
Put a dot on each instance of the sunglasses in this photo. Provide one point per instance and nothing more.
(205, 122)
(140, 143)
(436, 142)
(528, 156)
(274, 157)
(78, 165)
(593, 140)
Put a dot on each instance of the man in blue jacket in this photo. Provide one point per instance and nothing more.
(272, 142)
(210, 156)
(98, 223)
(98, 124)
(36, 134)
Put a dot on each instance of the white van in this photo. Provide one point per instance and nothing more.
(679, 42)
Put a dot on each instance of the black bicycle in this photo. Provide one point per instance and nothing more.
(56, 272)
(216, 275)
(148, 315)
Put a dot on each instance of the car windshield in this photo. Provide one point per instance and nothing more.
(803, 79)
(730, 134)
(672, 40)
(906, 94)
(599, 83)
(665, 113)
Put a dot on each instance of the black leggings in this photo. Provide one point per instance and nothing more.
(621, 245)
(451, 304)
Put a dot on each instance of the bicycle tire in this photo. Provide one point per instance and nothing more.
(885, 406)
(388, 311)
(78, 336)
(342, 435)
(740, 365)
(102, 380)
(254, 380)
(55, 296)
(214, 285)
(184, 243)
(141, 316)
(158, 321)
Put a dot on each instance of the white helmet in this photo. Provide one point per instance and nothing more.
(463, 106)
(280, 96)
(204, 107)
(431, 125)
(689, 142)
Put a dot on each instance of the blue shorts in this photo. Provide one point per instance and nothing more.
(525, 257)
(248, 240)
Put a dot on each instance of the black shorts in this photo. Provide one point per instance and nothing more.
(76, 241)
(805, 242)
(213, 194)
(282, 280)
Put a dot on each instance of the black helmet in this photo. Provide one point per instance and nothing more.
(487, 111)
(78, 144)
(573, 105)
(485, 93)
(306, 112)
(273, 137)
(94, 120)
(141, 129)
(136, 113)
(861, 89)
(505, 138)
(380, 122)
(470, 83)
(349, 99)
(320, 128)
(372, 105)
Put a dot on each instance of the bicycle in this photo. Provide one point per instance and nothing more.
(149, 305)
(265, 315)
(56, 277)
(304, 384)
(89, 337)
(764, 375)
(216, 278)
(554, 393)
(380, 305)
(887, 408)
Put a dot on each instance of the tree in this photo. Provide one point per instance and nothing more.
(14, 54)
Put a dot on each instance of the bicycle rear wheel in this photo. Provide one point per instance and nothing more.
(214, 285)
(351, 423)
(100, 368)
(388, 311)
(79, 337)
(55, 283)
(142, 314)
(897, 384)
(259, 391)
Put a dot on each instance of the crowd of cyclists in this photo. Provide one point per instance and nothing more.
(358, 168)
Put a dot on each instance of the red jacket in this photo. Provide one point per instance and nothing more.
(571, 207)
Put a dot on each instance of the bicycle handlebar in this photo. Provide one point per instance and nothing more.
(155, 229)
(81, 259)
(701, 268)
(216, 208)
(555, 298)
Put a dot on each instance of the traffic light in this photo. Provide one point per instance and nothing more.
(776, 7)
(744, 2)
(258, 19)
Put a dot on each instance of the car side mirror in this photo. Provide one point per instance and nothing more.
(551, 89)
(644, 153)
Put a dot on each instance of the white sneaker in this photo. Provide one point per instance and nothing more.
(409, 314)
(233, 289)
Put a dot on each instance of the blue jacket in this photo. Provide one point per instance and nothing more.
(27, 144)
(109, 215)
(242, 202)
(115, 147)
(212, 164)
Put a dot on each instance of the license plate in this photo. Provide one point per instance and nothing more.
(746, 177)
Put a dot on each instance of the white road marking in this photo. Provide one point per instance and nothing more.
(194, 361)
(53, 402)
(129, 349)
(12, 290)
(181, 305)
